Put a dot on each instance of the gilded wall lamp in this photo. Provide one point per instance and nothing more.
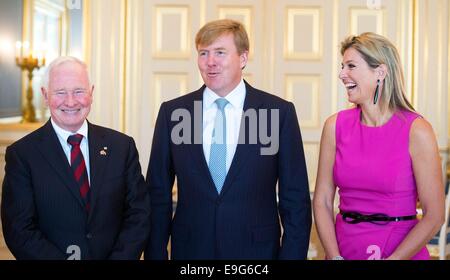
(26, 60)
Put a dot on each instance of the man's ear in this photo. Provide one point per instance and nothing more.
(44, 94)
(244, 59)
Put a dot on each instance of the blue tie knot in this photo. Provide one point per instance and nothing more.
(221, 103)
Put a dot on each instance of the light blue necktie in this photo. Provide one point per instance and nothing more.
(218, 152)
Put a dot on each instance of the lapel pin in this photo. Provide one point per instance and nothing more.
(103, 152)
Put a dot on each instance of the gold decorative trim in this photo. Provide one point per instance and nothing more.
(315, 81)
(312, 159)
(13, 127)
(448, 84)
(202, 13)
(415, 70)
(406, 43)
(247, 13)
(185, 27)
(439, 79)
(4, 144)
(158, 77)
(356, 12)
(268, 25)
(317, 33)
(87, 25)
(124, 65)
(27, 27)
(335, 54)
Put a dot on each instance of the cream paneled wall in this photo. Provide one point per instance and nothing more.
(302, 54)
(393, 20)
(432, 62)
(142, 52)
(105, 50)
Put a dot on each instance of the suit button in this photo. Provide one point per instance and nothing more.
(89, 235)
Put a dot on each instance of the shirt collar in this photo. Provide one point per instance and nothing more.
(235, 97)
(64, 134)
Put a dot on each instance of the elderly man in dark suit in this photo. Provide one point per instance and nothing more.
(73, 190)
(228, 144)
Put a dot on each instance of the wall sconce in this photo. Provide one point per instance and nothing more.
(26, 60)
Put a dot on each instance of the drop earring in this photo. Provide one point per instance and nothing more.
(375, 97)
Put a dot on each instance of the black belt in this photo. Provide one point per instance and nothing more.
(355, 218)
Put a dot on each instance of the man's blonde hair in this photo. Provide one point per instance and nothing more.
(214, 29)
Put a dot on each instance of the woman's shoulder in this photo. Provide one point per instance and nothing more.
(346, 115)
(411, 115)
(422, 139)
(411, 121)
(330, 123)
(421, 129)
(340, 118)
(331, 120)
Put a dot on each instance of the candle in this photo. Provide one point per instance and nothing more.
(26, 48)
(18, 49)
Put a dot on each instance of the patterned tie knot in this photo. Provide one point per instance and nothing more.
(221, 103)
(75, 139)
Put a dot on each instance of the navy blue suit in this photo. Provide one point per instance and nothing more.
(243, 222)
(42, 210)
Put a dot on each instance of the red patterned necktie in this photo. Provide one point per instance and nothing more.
(79, 167)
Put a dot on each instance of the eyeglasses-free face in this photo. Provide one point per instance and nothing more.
(221, 65)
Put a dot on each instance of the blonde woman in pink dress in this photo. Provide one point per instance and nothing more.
(382, 157)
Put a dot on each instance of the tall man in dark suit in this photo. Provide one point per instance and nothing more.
(228, 144)
(73, 190)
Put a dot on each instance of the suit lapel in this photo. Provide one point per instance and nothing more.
(98, 158)
(241, 155)
(51, 150)
(251, 102)
(196, 146)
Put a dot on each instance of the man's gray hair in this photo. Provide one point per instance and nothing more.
(58, 61)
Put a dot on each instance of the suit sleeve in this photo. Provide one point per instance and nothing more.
(294, 198)
(160, 179)
(19, 219)
(136, 224)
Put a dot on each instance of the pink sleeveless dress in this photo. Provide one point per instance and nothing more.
(373, 173)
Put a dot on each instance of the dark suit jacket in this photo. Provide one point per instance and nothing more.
(42, 211)
(243, 221)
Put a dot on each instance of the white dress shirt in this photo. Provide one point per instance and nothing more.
(233, 114)
(64, 134)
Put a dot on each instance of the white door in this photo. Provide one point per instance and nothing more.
(294, 53)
